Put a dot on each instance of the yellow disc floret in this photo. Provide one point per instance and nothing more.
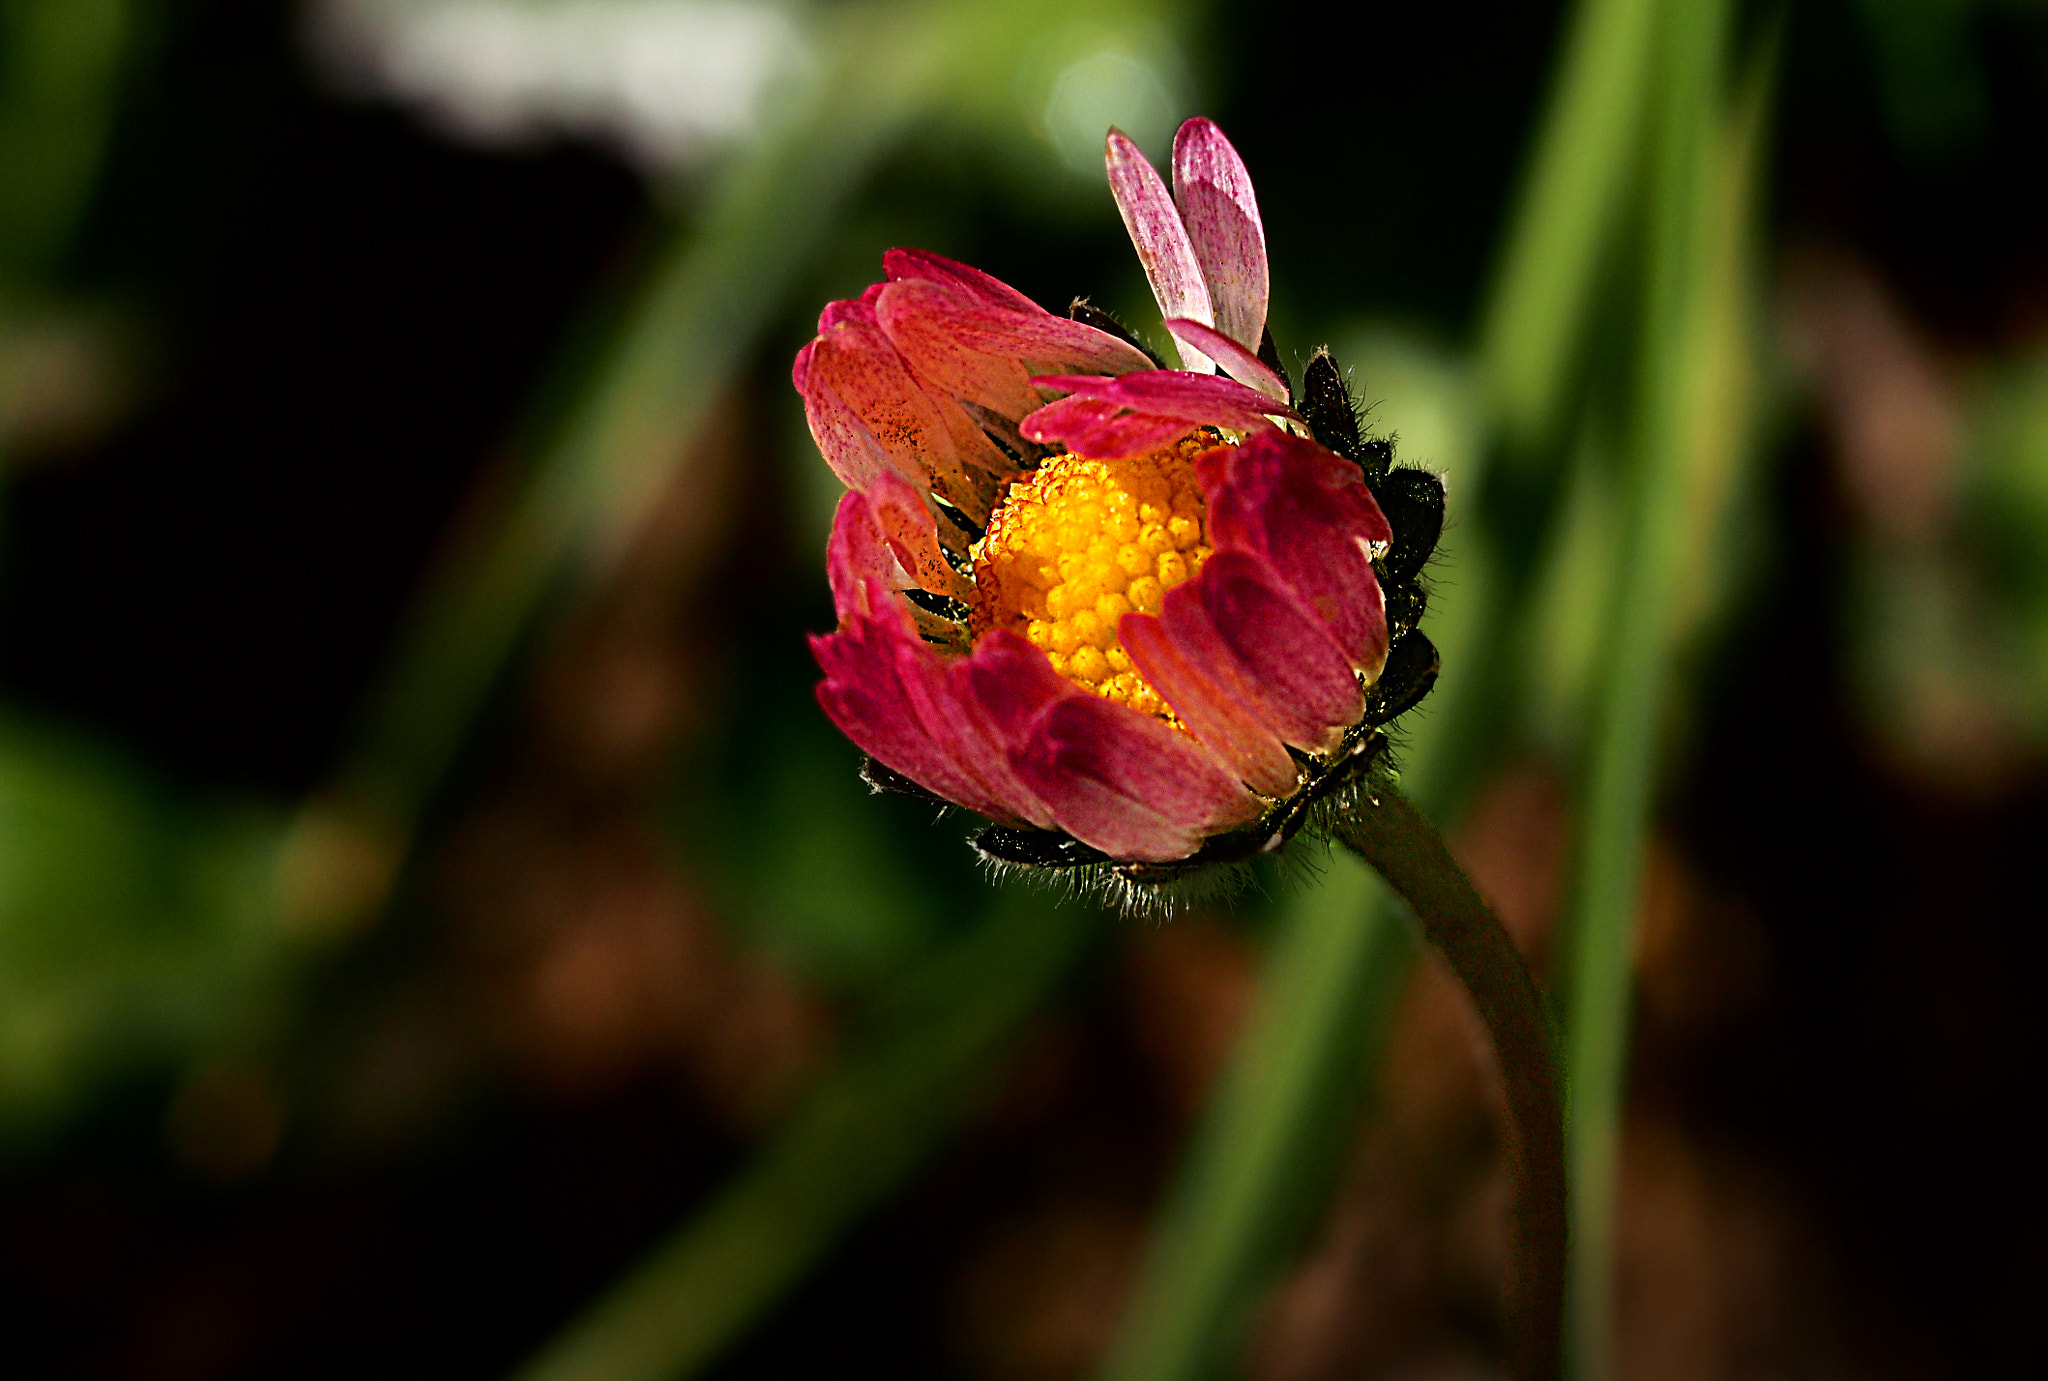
(1077, 544)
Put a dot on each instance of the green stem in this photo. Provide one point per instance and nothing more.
(1388, 832)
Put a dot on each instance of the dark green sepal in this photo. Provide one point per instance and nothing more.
(1412, 666)
(1405, 606)
(1413, 501)
(1036, 848)
(1088, 314)
(1269, 356)
(1327, 408)
(889, 782)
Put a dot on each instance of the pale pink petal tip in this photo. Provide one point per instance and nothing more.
(1156, 231)
(1213, 194)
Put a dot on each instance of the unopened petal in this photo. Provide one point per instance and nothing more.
(988, 315)
(1126, 784)
(1162, 242)
(1214, 195)
(844, 440)
(987, 289)
(924, 322)
(858, 559)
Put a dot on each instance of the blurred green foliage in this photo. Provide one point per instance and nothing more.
(143, 926)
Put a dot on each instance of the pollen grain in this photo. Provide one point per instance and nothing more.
(1076, 544)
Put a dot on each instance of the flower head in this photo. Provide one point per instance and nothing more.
(1138, 617)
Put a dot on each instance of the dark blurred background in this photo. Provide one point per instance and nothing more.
(427, 886)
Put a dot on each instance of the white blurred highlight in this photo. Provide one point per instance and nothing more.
(669, 82)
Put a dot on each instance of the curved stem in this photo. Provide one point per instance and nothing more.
(1394, 837)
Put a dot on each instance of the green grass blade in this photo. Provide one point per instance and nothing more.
(863, 1134)
(1260, 1160)
(1567, 218)
(1690, 394)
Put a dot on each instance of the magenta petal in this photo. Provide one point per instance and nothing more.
(858, 561)
(864, 694)
(1194, 398)
(1116, 780)
(1219, 719)
(1101, 431)
(920, 317)
(1238, 362)
(1214, 194)
(913, 537)
(986, 289)
(1289, 652)
(985, 315)
(927, 438)
(1128, 785)
(896, 697)
(1308, 515)
(1154, 223)
(1193, 632)
(978, 746)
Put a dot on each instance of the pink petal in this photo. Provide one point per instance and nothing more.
(856, 376)
(1218, 718)
(858, 562)
(864, 694)
(1209, 620)
(983, 288)
(1214, 194)
(1100, 430)
(1193, 633)
(1198, 399)
(896, 697)
(1116, 780)
(989, 316)
(913, 536)
(1308, 515)
(845, 442)
(1162, 242)
(1238, 362)
(1126, 784)
(1287, 650)
(922, 319)
(980, 746)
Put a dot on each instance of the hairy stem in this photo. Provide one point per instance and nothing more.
(1387, 831)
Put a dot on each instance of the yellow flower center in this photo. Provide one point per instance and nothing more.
(1077, 543)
